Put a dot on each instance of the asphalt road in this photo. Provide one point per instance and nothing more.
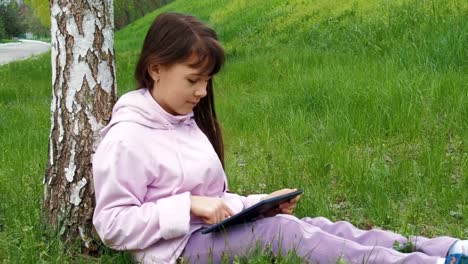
(21, 50)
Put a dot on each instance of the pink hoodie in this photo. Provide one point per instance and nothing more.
(145, 169)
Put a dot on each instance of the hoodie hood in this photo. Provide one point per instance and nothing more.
(141, 108)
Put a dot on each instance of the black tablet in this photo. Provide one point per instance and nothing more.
(252, 213)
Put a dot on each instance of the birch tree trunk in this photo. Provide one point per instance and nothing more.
(84, 91)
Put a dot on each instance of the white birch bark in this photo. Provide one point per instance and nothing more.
(84, 91)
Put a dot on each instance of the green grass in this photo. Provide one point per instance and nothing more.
(363, 104)
(7, 41)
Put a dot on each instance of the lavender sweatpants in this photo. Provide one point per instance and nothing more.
(316, 240)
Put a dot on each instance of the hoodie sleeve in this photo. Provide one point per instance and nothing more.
(121, 218)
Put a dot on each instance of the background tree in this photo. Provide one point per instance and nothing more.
(41, 11)
(84, 91)
(32, 22)
(2, 30)
(9, 22)
(125, 11)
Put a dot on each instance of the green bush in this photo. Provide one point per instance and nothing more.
(9, 16)
(33, 23)
(2, 30)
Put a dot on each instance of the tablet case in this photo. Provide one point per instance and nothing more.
(252, 213)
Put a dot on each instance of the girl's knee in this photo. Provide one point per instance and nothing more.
(284, 233)
(319, 220)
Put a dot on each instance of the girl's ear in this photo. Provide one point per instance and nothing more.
(154, 71)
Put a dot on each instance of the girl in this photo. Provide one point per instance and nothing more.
(159, 178)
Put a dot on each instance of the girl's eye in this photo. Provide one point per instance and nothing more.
(191, 81)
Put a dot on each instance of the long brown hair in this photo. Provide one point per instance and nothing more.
(177, 38)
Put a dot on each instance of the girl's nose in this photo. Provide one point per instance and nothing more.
(201, 91)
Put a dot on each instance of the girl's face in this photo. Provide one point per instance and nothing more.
(178, 88)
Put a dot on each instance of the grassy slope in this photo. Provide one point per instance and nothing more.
(363, 104)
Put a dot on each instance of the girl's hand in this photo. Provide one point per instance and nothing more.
(211, 210)
(286, 207)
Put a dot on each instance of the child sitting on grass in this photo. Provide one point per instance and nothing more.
(159, 173)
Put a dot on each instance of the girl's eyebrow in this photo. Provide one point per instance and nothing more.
(200, 75)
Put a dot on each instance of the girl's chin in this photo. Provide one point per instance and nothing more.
(184, 112)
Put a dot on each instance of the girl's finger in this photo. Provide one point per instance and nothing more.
(226, 215)
(228, 210)
(286, 205)
(296, 199)
(220, 216)
(208, 220)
